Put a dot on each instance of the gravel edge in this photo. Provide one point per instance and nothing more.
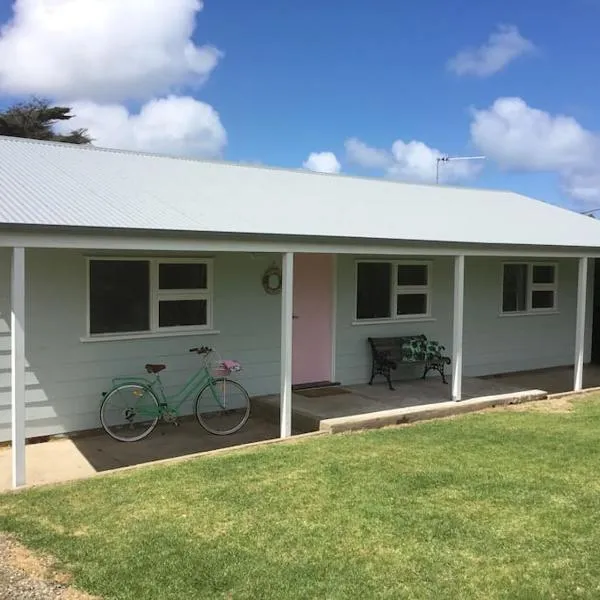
(23, 584)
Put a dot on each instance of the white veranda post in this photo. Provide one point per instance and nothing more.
(457, 328)
(287, 301)
(580, 323)
(17, 365)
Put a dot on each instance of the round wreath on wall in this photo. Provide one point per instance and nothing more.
(272, 280)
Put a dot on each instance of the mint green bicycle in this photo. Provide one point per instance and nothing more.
(132, 408)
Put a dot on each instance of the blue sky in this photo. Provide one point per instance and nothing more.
(296, 78)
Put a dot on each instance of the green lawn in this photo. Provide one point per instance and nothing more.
(504, 504)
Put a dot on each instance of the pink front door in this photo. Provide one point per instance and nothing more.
(313, 309)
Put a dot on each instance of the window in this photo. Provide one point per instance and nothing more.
(412, 290)
(392, 290)
(514, 288)
(373, 292)
(529, 288)
(182, 294)
(543, 287)
(148, 295)
(119, 296)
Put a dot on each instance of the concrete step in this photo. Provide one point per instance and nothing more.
(411, 414)
(267, 408)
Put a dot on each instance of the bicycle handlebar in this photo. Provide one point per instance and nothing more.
(201, 350)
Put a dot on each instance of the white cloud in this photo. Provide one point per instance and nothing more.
(322, 162)
(584, 187)
(172, 125)
(410, 161)
(366, 156)
(102, 49)
(503, 46)
(415, 161)
(519, 137)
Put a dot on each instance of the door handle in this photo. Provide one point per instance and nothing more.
(294, 316)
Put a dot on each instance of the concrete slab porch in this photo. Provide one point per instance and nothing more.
(310, 412)
(555, 380)
(62, 459)
(354, 407)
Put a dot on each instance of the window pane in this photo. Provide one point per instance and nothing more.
(412, 304)
(543, 274)
(182, 313)
(542, 299)
(373, 291)
(182, 276)
(412, 274)
(119, 296)
(514, 288)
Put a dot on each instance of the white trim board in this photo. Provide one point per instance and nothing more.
(158, 244)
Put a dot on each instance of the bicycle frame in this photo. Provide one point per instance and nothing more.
(172, 403)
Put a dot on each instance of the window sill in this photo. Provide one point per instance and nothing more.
(146, 335)
(424, 319)
(531, 313)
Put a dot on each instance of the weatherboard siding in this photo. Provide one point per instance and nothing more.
(65, 377)
(491, 344)
(494, 344)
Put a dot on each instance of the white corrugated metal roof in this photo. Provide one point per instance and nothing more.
(45, 183)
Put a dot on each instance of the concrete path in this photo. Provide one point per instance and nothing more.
(65, 459)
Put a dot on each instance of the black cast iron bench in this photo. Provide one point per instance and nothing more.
(388, 353)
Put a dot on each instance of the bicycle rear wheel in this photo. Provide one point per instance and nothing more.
(129, 412)
(222, 406)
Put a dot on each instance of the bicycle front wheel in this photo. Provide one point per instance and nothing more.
(222, 406)
(129, 412)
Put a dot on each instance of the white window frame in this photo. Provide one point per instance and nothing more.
(395, 291)
(531, 287)
(156, 296)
